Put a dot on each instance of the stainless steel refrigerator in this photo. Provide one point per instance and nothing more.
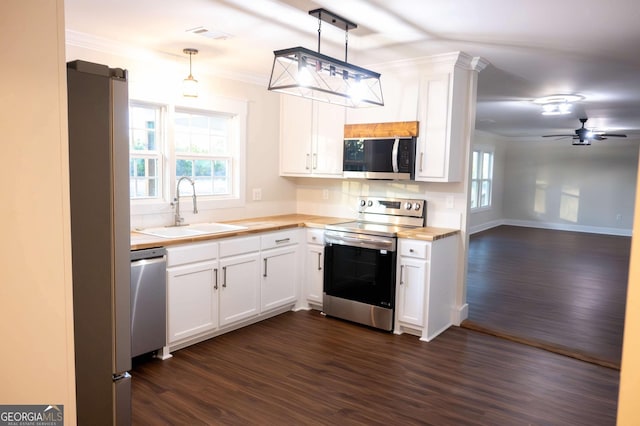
(99, 189)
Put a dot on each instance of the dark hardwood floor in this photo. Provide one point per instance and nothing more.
(563, 291)
(305, 369)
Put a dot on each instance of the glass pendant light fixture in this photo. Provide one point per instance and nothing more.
(303, 72)
(190, 84)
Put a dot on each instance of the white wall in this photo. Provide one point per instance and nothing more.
(584, 188)
(36, 306)
(555, 185)
(156, 78)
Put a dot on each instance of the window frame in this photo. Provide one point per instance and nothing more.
(478, 181)
(161, 143)
(237, 111)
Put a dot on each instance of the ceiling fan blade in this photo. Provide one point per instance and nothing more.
(614, 135)
(555, 136)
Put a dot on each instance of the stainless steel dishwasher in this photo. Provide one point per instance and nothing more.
(148, 300)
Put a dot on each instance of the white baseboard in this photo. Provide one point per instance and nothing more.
(550, 225)
(460, 314)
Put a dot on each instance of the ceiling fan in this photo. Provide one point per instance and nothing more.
(583, 136)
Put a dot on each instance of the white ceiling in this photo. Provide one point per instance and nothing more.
(535, 47)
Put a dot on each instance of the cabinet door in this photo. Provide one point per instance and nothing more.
(328, 139)
(279, 277)
(314, 273)
(295, 136)
(412, 284)
(239, 287)
(432, 159)
(192, 299)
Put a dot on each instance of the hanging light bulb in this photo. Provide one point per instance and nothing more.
(190, 84)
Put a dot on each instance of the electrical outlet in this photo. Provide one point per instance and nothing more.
(325, 194)
(257, 194)
(618, 217)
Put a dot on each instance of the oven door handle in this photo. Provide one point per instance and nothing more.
(362, 240)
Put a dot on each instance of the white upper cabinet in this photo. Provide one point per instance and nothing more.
(311, 137)
(446, 112)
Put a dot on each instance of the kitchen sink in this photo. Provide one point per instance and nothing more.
(190, 230)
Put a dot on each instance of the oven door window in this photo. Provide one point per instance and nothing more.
(360, 274)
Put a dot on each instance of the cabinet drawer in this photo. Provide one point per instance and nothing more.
(279, 239)
(315, 236)
(414, 248)
(242, 245)
(190, 253)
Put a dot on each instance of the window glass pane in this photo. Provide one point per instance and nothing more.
(486, 165)
(199, 143)
(485, 193)
(474, 165)
(184, 168)
(474, 194)
(203, 168)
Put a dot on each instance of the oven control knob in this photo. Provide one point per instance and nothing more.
(370, 203)
(416, 206)
(408, 206)
(363, 203)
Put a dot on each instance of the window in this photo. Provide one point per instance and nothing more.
(481, 178)
(204, 152)
(207, 146)
(145, 151)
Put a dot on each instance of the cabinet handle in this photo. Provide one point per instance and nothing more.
(401, 274)
(306, 163)
(315, 161)
(265, 268)
(215, 273)
(410, 250)
(283, 240)
(319, 263)
(421, 158)
(224, 276)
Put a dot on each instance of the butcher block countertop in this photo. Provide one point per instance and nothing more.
(275, 223)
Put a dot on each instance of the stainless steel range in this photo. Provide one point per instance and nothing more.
(360, 260)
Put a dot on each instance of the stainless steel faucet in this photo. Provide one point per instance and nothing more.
(179, 220)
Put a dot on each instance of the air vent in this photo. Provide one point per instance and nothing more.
(213, 35)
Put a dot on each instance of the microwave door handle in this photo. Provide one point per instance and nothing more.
(394, 155)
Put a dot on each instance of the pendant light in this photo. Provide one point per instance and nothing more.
(303, 72)
(190, 84)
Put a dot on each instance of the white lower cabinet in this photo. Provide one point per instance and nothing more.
(411, 287)
(239, 288)
(426, 290)
(280, 269)
(193, 301)
(214, 287)
(314, 267)
(192, 298)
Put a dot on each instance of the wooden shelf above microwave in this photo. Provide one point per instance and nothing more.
(381, 130)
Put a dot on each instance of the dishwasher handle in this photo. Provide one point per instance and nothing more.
(151, 253)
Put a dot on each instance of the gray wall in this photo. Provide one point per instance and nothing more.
(552, 184)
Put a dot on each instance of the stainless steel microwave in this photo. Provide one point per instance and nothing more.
(379, 158)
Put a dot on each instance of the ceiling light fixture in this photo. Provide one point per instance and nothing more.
(303, 72)
(190, 84)
(557, 104)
